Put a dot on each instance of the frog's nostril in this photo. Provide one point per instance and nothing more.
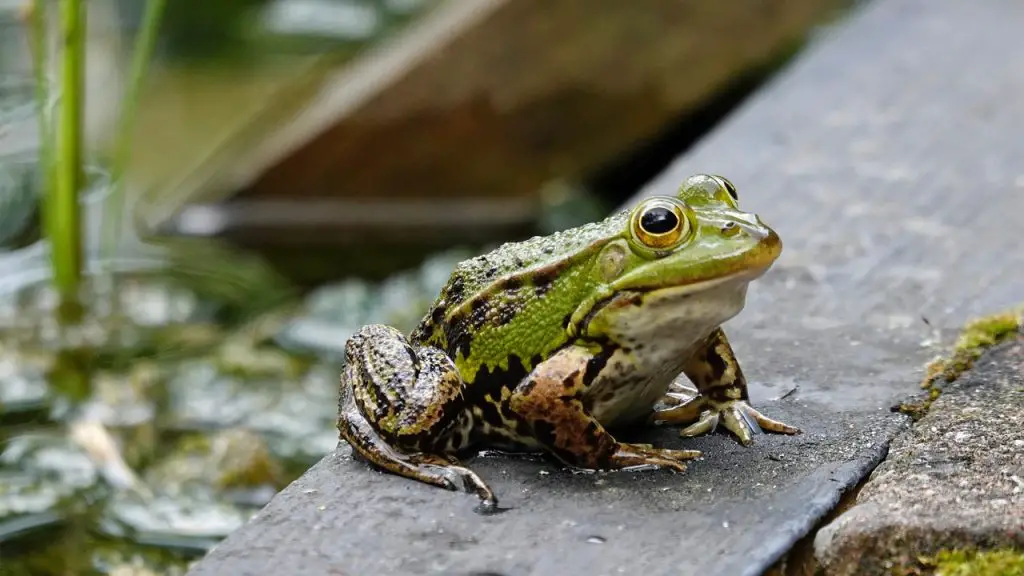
(730, 229)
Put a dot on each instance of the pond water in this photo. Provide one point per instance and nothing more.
(140, 438)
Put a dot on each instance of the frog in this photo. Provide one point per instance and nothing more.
(551, 343)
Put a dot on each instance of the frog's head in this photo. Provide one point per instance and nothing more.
(681, 259)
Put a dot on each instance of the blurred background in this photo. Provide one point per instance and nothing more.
(263, 179)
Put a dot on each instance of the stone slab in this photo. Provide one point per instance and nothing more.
(888, 158)
(956, 480)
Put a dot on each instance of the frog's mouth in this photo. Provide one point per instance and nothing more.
(726, 294)
(745, 275)
(743, 265)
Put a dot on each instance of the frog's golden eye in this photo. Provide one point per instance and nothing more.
(661, 223)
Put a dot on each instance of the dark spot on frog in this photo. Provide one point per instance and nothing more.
(570, 380)
(544, 280)
(493, 380)
(479, 313)
(457, 336)
(506, 312)
(594, 367)
(437, 314)
(511, 283)
(717, 362)
(528, 387)
(456, 289)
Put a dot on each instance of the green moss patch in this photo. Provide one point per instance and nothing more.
(1004, 562)
(977, 336)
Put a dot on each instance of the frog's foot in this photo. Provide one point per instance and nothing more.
(628, 456)
(703, 416)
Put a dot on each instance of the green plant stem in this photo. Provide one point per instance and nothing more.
(38, 45)
(141, 56)
(65, 218)
(40, 60)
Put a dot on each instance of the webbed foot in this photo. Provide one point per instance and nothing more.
(720, 396)
(702, 415)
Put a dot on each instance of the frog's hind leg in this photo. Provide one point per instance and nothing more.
(550, 402)
(399, 409)
(438, 470)
(721, 396)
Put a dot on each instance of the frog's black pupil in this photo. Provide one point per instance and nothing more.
(659, 220)
(731, 189)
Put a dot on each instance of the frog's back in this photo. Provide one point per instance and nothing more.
(513, 300)
(476, 274)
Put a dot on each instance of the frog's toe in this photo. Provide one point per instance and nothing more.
(738, 417)
(682, 411)
(448, 473)
(736, 420)
(471, 482)
(765, 422)
(705, 425)
(644, 456)
(743, 420)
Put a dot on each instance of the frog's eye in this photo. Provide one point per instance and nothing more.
(702, 189)
(660, 223)
(729, 187)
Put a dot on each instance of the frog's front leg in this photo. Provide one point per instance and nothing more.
(550, 402)
(399, 408)
(721, 396)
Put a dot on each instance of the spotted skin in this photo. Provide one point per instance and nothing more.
(551, 401)
(548, 344)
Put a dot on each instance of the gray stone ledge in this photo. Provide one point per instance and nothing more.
(954, 481)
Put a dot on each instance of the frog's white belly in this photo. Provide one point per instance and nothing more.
(656, 337)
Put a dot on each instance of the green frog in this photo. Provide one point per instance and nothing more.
(547, 344)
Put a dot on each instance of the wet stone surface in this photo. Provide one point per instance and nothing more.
(954, 481)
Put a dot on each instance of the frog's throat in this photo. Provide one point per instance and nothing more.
(604, 294)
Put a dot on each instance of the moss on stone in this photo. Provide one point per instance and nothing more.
(977, 336)
(1004, 562)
